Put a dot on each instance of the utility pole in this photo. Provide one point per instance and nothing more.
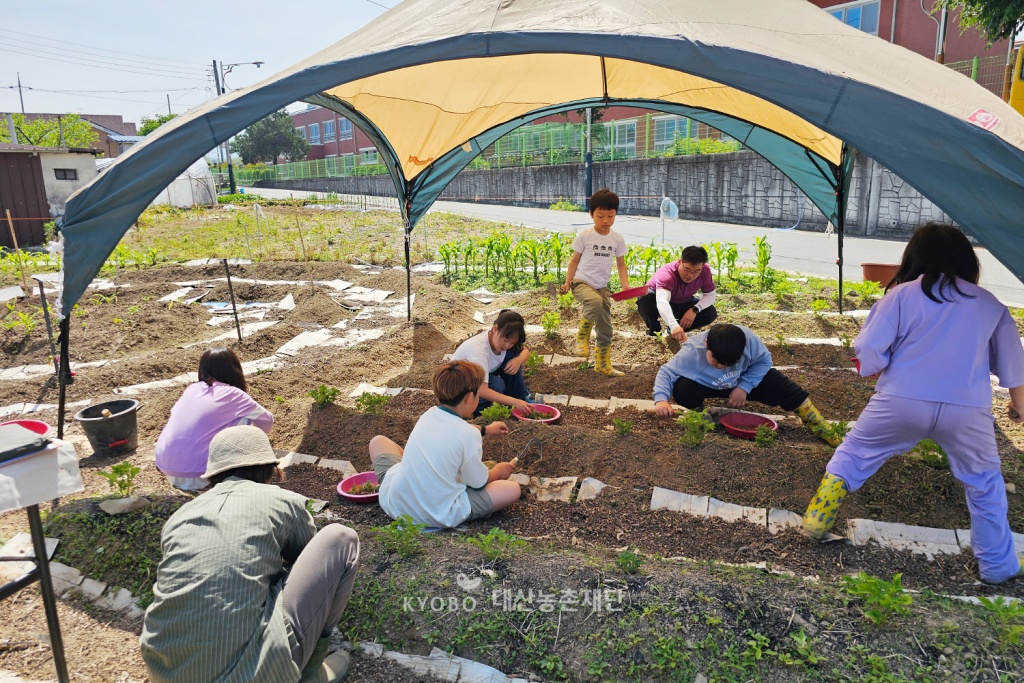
(940, 55)
(20, 97)
(232, 188)
(169, 104)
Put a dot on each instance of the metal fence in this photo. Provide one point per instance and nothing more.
(988, 72)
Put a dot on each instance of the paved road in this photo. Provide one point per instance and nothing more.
(809, 253)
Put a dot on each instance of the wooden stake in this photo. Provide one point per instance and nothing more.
(309, 268)
(17, 252)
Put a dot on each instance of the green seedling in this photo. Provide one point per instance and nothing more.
(628, 562)
(931, 454)
(839, 428)
(551, 322)
(566, 300)
(279, 399)
(309, 507)
(883, 598)
(622, 427)
(372, 404)
(1006, 616)
(819, 306)
(532, 363)
(780, 339)
(764, 436)
(764, 256)
(496, 413)
(132, 310)
(496, 544)
(544, 302)
(583, 365)
(696, 424)
(324, 395)
(846, 342)
(121, 477)
(403, 536)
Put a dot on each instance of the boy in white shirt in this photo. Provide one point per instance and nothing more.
(439, 478)
(589, 271)
(500, 352)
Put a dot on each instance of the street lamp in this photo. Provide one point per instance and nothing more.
(220, 78)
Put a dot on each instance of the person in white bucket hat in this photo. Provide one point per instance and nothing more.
(247, 589)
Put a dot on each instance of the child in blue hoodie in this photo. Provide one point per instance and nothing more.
(730, 361)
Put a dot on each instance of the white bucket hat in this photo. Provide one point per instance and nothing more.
(240, 446)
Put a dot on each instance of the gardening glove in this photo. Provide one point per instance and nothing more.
(737, 397)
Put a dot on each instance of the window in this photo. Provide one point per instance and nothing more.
(314, 133)
(65, 173)
(862, 15)
(301, 130)
(622, 136)
(368, 156)
(666, 130)
(344, 129)
(328, 131)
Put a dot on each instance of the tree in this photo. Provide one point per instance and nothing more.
(997, 19)
(46, 132)
(151, 124)
(270, 138)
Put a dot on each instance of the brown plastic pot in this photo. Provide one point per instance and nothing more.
(882, 273)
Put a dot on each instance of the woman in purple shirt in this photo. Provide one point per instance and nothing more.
(935, 336)
(672, 294)
(217, 401)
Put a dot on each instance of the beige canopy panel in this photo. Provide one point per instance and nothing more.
(422, 122)
(433, 82)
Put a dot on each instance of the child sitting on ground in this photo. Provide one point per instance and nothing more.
(589, 271)
(439, 479)
(501, 354)
(730, 361)
(935, 336)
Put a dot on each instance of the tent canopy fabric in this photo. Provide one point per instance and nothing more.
(432, 81)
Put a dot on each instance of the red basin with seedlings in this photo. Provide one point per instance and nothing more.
(538, 413)
(744, 425)
(629, 293)
(359, 487)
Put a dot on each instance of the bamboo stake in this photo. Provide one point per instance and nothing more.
(309, 267)
(17, 252)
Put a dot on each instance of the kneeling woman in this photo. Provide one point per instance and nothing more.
(217, 401)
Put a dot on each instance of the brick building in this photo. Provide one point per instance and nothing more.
(331, 135)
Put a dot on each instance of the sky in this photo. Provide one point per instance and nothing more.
(120, 57)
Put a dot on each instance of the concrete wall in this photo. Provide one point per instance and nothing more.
(58, 191)
(741, 187)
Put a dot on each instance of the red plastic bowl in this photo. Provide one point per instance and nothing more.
(744, 425)
(346, 484)
(856, 363)
(37, 426)
(554, 412)
(629, 293)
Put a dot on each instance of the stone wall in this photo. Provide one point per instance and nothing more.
(740, 187)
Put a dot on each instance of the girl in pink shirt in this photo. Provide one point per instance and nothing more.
(217, 401)
(935, 336)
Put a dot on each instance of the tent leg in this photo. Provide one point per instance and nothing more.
(408, 278)
(63, 375)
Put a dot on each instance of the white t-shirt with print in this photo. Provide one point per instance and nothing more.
(477, 349)
(443, 450)
(597, 255)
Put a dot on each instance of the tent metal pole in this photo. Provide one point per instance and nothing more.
(63, 375)
(408, 260)
(841, 216)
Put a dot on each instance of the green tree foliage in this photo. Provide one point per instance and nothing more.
(151, 124)
(46, 132)
(270, 138)
(997, 19)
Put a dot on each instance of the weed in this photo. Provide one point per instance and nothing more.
(845, 341)
(566, 300)
(884, 598)
(565, 205)
(622, 427)
(696, 424)
(551, 321)
(803, 644)
(839, 428)
(310, 507)
(279, 399)
(628, 562)
(931, 454)
(372, 404)
(496, 413)
(532, 363)
(764, 436)
(323, 395)
(585, 365)
(1006, 617)
(819, 306)
(780, 339)
(402, 536)
(121, 477)
(24, 321)
(496, 544)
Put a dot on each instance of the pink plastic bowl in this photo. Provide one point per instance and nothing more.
(856, 364)
(744, 425)
(540, 408)
(346, 484)
(37, 426)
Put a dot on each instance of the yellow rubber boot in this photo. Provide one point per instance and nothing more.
(583, 338)
(821, 513)
(603, 364)
(817, 425)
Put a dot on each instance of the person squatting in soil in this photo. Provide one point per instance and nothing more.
(672, 293)
(935, 336)
(439, 478)
(730, 361)
(501, 352)
(588, 274)
(217, 401)
(247, 590)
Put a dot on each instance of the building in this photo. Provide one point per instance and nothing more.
(35, 183)
(115, 134)
(331, 135)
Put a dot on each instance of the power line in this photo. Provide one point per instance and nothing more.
(67, 52)
(98, 97)
(38, 51)
(77, 92)
(61, 43)
(95, 66)
(372, 2)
